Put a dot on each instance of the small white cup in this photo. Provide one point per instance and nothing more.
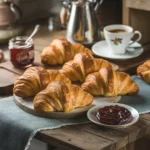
(118, 38)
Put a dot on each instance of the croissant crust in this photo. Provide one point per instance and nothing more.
(36, 79)
(60, 51)
(58, 96)
(82, 65)
(108, 82)
(144, 71)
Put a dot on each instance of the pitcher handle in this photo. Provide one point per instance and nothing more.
(16, 10)
(98, 5)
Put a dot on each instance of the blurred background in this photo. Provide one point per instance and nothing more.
(17, 15)
(110, 12)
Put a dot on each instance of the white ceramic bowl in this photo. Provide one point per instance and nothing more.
(91, 115)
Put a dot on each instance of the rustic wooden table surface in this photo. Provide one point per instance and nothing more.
(87, 136)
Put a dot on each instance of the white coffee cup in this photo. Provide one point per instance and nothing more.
(118, 38)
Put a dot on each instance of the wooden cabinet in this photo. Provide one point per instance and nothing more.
(136, 13)
(139, 4)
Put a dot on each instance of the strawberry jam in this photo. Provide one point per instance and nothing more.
(113, 115)
(21, 52)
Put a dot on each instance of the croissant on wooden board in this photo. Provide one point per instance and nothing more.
(144, 71)
(36, 79)
(82, 65)
(60, 51)
(108, 82)
(58, 96)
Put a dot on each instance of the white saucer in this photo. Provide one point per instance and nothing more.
(101, 49)
(91, 115)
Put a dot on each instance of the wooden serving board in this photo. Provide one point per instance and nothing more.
(26, 104)
(8, 75)
(7, 79)
(9, 66)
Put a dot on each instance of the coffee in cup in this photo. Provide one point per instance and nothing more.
(117, 31)
(118, 38)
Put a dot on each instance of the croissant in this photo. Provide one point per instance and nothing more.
(144, 71)
(60, 51)
(82, 65)
(36, 79)
(108, 82)
(58, 96)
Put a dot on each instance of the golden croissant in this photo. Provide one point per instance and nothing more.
(58, 96)
(82, 65)
(144, 71)
(60, 51)
(108, 82)
(36, 79)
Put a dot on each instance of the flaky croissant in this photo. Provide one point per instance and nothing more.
(58, 96)
(108, 82)
(36, 79)
(144, 71)
(60, 51)
(82, 64)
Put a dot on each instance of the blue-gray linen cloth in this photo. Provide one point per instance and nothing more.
(17, 126)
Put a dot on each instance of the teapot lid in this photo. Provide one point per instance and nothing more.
(80, 2)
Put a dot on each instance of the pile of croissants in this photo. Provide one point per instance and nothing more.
(54, 90)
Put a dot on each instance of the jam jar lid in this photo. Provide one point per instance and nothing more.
(20, 42)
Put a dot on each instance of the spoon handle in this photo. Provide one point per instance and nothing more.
(145, 46)
(33, 33)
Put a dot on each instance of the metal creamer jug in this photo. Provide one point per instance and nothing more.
(83, 25)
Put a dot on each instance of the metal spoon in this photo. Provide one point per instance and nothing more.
(33, 33)
(132, 49)
(145, 46)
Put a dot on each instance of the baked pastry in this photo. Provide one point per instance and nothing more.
(82, 65)
(60, 51)
(108, 82)
(58, 96)
(144, 71)
(36, 79)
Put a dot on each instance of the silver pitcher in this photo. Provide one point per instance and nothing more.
(9, 13)
(83, 25)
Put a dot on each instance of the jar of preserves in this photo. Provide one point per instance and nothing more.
(21, 52)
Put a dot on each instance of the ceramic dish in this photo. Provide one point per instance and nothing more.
(101, 49)
(91, 115)
(27, 105)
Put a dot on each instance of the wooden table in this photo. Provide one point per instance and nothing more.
(88, 136)
(93, 137)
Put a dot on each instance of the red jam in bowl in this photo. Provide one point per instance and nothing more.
(113, 115)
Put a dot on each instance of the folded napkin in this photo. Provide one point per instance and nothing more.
(141, 101)
(17, 127)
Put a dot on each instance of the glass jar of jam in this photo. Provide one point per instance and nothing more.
(21, 52)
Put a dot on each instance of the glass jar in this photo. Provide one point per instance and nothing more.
(21, 52)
